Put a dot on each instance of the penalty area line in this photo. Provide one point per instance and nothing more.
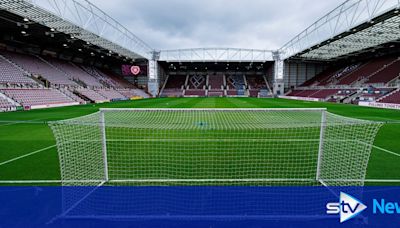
(26, 155)
(387, 151)
(14, 122)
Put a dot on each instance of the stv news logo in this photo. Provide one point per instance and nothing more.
(348, 207)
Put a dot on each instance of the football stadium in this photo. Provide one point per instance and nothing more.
(84, 102)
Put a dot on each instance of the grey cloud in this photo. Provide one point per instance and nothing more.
(172, 24)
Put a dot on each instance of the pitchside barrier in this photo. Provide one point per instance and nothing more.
(209, 147)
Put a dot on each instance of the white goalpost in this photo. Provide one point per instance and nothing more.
(217, 147)
(204, 163)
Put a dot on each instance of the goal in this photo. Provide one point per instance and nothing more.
(214, 147)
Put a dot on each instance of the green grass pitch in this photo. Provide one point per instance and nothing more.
(22, 133)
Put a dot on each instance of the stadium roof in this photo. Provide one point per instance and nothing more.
(82, 20)
(352, 27)
(216, 55)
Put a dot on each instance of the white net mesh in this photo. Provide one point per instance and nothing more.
(245, 147)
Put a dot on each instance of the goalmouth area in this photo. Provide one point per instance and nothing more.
(30, 155)
(181, 151)
(184, 147)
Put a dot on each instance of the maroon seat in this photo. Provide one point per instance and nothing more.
(393, 98)
(195, 92)
(387, 74)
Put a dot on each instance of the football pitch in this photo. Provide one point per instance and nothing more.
(28, 151)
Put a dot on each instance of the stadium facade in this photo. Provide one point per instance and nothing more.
(68, 52)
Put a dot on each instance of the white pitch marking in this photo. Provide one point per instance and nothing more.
(387, 151)
(26, 155)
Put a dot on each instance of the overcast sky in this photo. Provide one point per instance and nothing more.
(174, 24)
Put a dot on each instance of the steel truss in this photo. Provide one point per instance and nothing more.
(216, 55)
(314, 42)
(81, 20)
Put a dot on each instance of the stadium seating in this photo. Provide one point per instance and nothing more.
(101, 77)
(110, 94)
(376, 71)
(32, 97)
(92, 95)
(232, 92)
(314, 93)
(70, 94)
(373, 94)
(255, 85)
(386, 74)
(368, 81)
(75, 72)
(173, 86)
(324, 93)
(172, 92)
(215, 93)
(5, 104)
(320, 78)
(37, 67)
(12, 75)
(341, 74)
(175, 81)
(23, 78)
(216, 83)
(114, 79)
(196, 85)
(132, 93)
(140, 93)
(195, 92)
(302, 93)
(364, 71)
(255, 82)
(393, 98)
(236, 85)
(196, 82)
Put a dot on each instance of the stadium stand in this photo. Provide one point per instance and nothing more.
(195, 92)
(374, 80)
(75, 73)
(70, 94)
(5, 104)
(372, 94)
(37, 97)
(216, 85)
(115, 80)
(196, 86)
(174, 86)
(256, 84)
(92, 95)
(236, 85)
(13, 75)
(393, 98)
(110, 94)
(102, 78)
(139, 93)
(39, 82)
(38, 68)
(196, 82)
(342, 95)
(386, 74)
(133, 93)
(313, 93)
(320, 78)
(324, 93)
(364, 71)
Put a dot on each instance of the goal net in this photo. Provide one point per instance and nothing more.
(214, 147)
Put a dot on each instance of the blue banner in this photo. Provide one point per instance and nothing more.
(199, 206)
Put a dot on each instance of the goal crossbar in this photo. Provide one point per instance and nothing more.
(261, 146)
(210, 109)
